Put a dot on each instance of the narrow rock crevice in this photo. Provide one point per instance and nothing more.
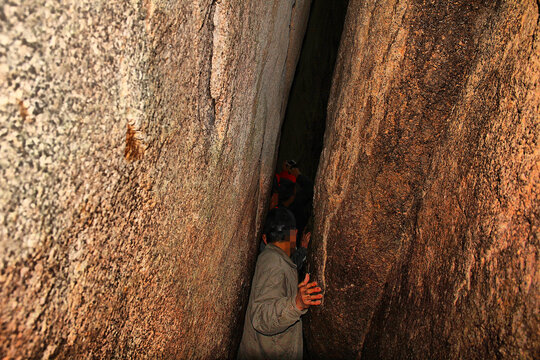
(302, 132)
(138, 143)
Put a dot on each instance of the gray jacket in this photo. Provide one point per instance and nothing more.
(272, 328)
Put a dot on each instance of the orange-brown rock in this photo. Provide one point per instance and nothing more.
(137, 142)
(427, 195)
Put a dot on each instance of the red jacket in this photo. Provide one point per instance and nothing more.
(286, 175)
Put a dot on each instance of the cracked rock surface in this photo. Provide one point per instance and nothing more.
(137, 142)
(427, 196)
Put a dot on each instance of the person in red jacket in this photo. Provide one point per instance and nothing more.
(289, 171)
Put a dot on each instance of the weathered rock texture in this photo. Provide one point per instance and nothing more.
(427, 196)
(137, 144)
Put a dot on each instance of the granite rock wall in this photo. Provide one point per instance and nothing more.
(137, 142)
(427, 194)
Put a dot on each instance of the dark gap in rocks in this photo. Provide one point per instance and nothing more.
(304, 124)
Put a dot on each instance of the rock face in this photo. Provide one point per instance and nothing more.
(137, 142)
(427, 195)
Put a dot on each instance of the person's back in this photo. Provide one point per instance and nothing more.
(272, 326)
(266, 337)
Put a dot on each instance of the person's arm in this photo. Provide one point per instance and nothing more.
(272, 311)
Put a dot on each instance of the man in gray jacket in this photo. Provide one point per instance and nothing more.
(273, 328)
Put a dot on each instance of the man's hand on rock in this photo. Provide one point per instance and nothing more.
(308, 294)
(305, 240)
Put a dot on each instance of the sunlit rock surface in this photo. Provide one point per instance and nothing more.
(137, 141)
(427, 197)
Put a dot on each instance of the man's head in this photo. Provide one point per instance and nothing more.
(288, 165)
(278, 226)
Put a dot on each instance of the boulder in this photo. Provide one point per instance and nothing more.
(427, 194)
(137, 145)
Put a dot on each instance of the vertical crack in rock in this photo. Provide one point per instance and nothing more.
(207, 57)
(290, 38)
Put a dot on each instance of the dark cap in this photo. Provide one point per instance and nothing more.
(278, 222)
(292, 164)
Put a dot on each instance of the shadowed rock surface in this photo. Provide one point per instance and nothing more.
(427, 195)
(304, 123)
(137, 144)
